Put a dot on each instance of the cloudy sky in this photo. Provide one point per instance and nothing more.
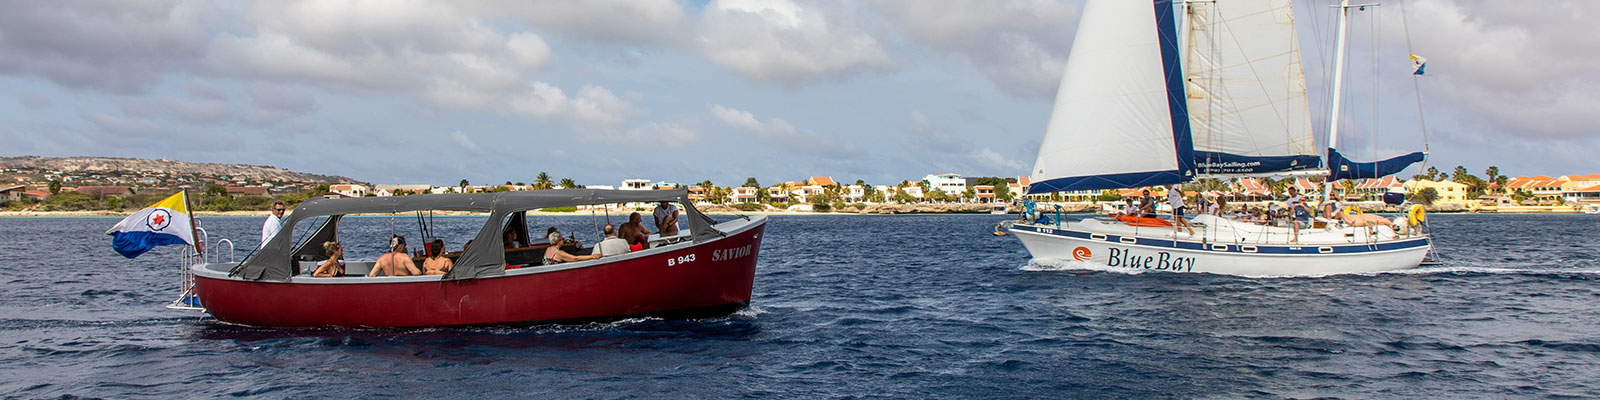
(415, 91)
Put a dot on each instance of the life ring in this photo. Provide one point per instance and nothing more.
(1417, 215)
(1352, 210)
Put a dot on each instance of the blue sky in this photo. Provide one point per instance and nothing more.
(599, 91)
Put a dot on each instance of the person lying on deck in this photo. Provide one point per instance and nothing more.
(554, 255)
(335, 264)
(436, 263)
(395, 262)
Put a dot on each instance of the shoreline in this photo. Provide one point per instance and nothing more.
(107, 214)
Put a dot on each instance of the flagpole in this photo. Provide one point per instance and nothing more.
(194, 230)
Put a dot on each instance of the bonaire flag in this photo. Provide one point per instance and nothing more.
(1418, 64)
(161, 224)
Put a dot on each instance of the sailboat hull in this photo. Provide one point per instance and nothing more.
(1049, 242)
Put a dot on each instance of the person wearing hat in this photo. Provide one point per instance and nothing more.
(395, 262)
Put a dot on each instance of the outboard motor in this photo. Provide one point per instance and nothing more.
(1394, 198)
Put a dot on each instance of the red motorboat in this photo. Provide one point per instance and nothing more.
(707, 270)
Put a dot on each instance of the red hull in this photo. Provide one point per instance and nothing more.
(720, 276)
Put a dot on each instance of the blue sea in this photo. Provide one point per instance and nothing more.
(852, 307)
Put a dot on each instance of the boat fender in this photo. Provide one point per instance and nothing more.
(1352, 210)
(1417, 215)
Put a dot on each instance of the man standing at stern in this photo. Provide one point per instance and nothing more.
(273, 223)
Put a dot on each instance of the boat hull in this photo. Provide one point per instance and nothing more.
(1162, 254)
(694, 279)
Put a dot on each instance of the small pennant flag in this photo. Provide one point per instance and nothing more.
(1418, 64)
(161, 224)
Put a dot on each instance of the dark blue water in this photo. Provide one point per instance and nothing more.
(855, 306)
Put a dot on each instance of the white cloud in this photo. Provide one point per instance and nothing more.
(465, 142)
(1020, 46)
(783, 133)
(593, 105)
(783, 42)
(645, 22)
(529, 50)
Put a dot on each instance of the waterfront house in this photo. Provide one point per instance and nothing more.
(778, 194)
(106, 191)
(1542, 188)
(745, 194)
(12, 193)
(697, 193)
(1373, 189)
(823, 181)
(950, 184)
(1251, 189)
(1449, 192)
(635, 184)
(349, 190)
(915, 192)
(247, 190)
(983, 193)
(855, 194)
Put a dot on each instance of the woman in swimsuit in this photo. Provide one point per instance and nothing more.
(436, 264)
(335, 264)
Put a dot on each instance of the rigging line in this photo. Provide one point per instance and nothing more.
(1422, 121)
(1377, 30)
(1279, 113)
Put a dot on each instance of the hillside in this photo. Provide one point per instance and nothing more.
(175, 168)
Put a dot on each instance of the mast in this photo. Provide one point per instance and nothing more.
(1338, 88)
(194, 230)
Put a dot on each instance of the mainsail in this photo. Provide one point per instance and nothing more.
(1247, 89)
(1120, 119)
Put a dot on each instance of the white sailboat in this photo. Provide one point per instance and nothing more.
(1129, 114)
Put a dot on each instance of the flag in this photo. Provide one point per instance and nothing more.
(161, 224)
(1418, 64)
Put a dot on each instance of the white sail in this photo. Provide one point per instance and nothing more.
(1247, 89)
(1113, 121)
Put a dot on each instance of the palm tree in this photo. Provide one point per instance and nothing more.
(463, 186)
(568, 183)
(542, 181)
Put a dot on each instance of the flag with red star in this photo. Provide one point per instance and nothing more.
(161, 224)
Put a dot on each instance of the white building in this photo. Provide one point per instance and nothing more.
(636, 184)
(855, 194)
(349, 190)
(951, 184)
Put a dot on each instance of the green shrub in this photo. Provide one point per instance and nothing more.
(748, 207)
(560, 209)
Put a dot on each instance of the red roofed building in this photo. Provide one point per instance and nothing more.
(248, 190)
(104, 191)
(983, 193)
(1251, 188)
(1373, 189)
(821, 181)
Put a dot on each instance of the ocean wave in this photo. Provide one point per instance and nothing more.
(1051, 265)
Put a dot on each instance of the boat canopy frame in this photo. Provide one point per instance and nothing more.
(275, 260)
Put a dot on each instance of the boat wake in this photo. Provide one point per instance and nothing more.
(1050, 265)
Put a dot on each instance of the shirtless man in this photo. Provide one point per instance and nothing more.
(633, 231)
(395, 262)
(436, 264)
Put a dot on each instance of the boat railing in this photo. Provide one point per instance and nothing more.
(218, 257)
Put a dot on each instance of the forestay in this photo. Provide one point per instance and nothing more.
(1120, 118)
(1247, 89)
(273, 261)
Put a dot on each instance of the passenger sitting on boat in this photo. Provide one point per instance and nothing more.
(1299, 210)
(1331, 210)
(1147, 205)
(633, 231)
(395, 262)
(436, 263)
(611, 245)
(666, 216)
(1128, 208)
(509, 239)
(1215, 208)
(554, 255)
(335, 264)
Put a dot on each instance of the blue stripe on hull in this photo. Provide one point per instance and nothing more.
(1311, 249)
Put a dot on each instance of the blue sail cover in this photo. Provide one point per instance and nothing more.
(1219, 163)
(1342, 168)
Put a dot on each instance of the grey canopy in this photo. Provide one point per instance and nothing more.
(274, 262)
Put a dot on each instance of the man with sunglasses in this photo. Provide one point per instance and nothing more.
(274, 222)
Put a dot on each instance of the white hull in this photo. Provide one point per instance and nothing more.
(1162, 253)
